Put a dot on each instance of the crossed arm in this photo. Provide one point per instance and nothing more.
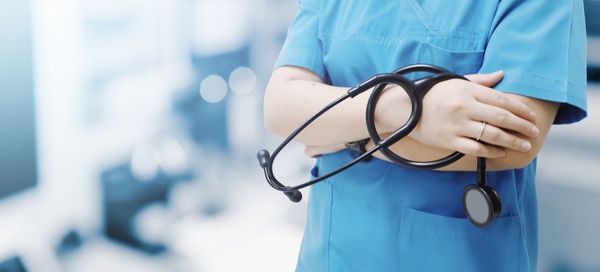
(452, 116)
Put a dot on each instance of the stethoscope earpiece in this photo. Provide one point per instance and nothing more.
(294, 196)
(263, 157)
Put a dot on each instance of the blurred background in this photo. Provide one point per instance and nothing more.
(129, 132)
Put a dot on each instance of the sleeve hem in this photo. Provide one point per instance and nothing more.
(302, 57)
(573, 106)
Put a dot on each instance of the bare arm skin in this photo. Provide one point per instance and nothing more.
(414, 150)
(295, 94)
(451, 119)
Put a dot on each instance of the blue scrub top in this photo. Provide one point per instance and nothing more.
(379, 216)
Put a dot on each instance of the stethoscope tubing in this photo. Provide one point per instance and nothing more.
(415, 92)
(372, 82)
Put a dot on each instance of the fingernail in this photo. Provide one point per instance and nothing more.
(501, 153)
(525, 146)
(535, 131)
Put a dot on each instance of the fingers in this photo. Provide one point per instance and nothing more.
(504, 119)
(488, 80)
(313, 151)
(498, 137)
(471, 147)
(500, 100)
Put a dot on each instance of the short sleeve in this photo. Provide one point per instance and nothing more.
(302, 46)
(541, 46)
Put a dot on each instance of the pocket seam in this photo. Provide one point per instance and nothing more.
(452, 51)
(457, 61)
(515, 234)
(446, 234)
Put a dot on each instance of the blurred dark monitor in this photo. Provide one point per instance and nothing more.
(18, 164)
(592, 16)
(13, 264)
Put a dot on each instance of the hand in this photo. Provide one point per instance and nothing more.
(453, 112)
(315, 151)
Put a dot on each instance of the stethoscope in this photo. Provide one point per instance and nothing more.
(481, 203)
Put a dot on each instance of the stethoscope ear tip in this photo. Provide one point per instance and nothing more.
(294, 196)
(263, 157)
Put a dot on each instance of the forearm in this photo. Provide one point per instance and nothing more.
(410, 149)
(546, 111)
(291, 101)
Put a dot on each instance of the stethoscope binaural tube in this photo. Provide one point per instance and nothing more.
(480, 202)
(415, 93)
(266, 159)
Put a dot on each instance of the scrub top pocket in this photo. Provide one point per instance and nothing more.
(458, 61)
(431, 242)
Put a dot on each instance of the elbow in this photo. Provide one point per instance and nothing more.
(523, 159)
(272, 118)
(518, 160)
(270, 121)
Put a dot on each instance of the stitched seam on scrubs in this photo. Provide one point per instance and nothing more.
(303, 57)
(522, 226)
(521, 246)
(303, 5)
(570, 40)
(431, 25)
(522, 76)
(450, 34)
(422, 17)
(330, 223)
(492, 26)
(455, 52)
(423, 35)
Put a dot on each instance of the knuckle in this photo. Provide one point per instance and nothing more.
(525, 127)
(460, 85)
(494, 135)
(502, 100)
(473, 149)
(480, 150)
(455, 104)
(515, 142)
(524, 110)
(458, 129)
(502, 117)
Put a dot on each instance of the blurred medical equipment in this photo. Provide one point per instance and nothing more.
(18, 161)
(13, 264)
(128, 189)
(481, 203)
(203, 105)
(592, 23)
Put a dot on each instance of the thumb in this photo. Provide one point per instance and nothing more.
(311, 151)
(488, 80)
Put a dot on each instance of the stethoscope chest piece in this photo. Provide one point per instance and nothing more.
(481, 203)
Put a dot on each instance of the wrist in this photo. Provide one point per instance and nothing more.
(393, 109)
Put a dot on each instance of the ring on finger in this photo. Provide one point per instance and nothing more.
(483, 125)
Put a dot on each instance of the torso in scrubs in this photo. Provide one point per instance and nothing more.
(379, 216)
